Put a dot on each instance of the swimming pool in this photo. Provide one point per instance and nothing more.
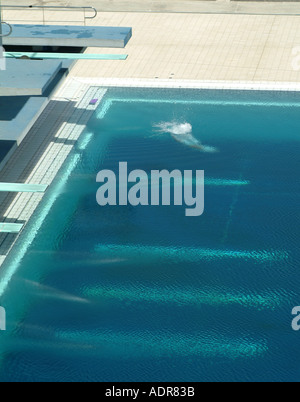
(124, 293)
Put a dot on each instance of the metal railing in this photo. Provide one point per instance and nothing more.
(2, 35)
(44, 9)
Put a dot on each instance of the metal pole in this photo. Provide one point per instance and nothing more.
(0, 25)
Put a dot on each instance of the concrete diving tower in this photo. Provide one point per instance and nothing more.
(26, 86)
(26, 77)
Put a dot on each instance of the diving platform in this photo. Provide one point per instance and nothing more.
(30, 78)
(27, 77)
(23, 188)
(6, 150)
(18, 113)
(64, 56)
(11, 227)
(71, 36)
(17, 116)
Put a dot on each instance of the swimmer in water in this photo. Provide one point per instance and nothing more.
(183, 134)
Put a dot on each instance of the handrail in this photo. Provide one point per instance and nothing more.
(66, 8)
(10, 30)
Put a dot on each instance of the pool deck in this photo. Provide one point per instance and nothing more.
(203, 47)
(191, 50)
(194, 46)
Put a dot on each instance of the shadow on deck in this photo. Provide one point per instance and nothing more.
(27, 157)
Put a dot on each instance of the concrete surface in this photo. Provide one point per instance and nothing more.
(202, 47)
(6, 149)
(199, 46)
(50, 35)
(27, 77)
(14, 127)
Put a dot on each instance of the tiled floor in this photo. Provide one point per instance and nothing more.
(197, 46)
(201, 47)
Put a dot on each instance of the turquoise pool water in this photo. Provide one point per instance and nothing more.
(145, 293)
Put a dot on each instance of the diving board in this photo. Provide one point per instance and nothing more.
(23, 188)
(73, 36)
(27, 77)
(10, 227)
(65, 56)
